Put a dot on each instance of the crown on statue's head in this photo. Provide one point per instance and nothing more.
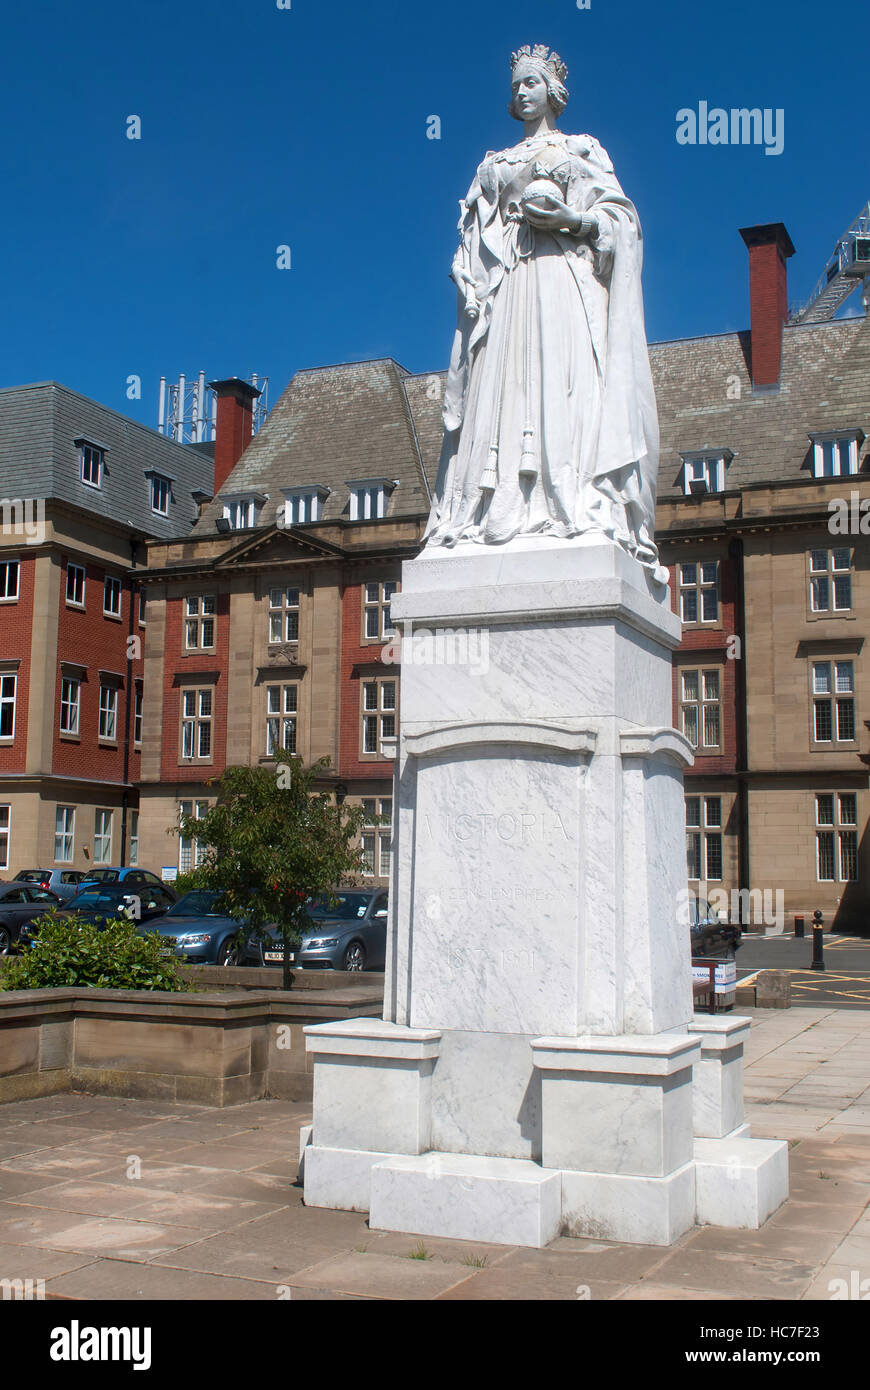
(541, 56)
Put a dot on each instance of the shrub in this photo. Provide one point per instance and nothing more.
(67, 951)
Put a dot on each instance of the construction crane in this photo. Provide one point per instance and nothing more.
(847, 267)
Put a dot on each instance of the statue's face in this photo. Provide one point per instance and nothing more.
(531, 94)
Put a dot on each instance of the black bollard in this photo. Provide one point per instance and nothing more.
(818, 942)
(799, 926)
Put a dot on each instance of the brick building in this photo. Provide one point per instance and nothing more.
(297, 556)
(268, 621)
(71, 695)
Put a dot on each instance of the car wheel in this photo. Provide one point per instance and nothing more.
(5, 941)
(355, 957)
(228, 954)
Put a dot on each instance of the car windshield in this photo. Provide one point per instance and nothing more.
(96, 899)
(32, 875)
(196, 904)
(344, 906)
(103, 876)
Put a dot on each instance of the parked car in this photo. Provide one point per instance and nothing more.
(134, 880)
(711, 932)
(348, 932)
(104, 904)
(197, 932)
(20, 903)
(63, 882)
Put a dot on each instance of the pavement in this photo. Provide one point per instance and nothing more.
(104, 1198)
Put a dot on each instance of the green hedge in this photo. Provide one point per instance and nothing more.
(67, 951)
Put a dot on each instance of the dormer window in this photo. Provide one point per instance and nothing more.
(304, 504)
(704, 472)
(242, 509)
(161, 493)
(369, 498)
(836, 455)
(93, 460)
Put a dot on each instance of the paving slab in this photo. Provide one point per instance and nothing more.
(97, 1235)
(739, 1276)
(386, 1276)
(112, 1279)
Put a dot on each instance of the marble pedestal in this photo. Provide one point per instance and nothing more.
(538, 1067)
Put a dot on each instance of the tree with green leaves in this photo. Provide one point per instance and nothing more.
(273, 841)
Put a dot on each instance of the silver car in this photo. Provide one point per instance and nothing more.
(64, 883)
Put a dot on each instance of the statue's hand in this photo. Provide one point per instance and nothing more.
(556, 216)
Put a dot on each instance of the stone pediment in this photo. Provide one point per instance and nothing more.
(276, 546)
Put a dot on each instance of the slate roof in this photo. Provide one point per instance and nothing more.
(39, 459)
(824, 385)
(372, 419)
(331, 426)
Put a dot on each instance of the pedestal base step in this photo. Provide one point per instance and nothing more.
(502, 1201)
(739, 1182)
(637, 1210)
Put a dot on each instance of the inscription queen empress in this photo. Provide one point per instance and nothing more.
(550, 416)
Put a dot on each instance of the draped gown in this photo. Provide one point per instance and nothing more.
(549, 413)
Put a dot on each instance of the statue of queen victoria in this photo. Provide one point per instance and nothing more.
(549, 413)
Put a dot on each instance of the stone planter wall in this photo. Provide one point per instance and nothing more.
(213, 1049)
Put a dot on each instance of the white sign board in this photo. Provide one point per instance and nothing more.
(726, 975)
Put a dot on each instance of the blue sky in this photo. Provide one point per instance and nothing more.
(307, 127)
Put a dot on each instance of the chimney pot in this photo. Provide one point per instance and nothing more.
(769, 246)
(235, 424)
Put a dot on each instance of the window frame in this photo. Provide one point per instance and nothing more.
(113, 585)
(308, 500)
(198, 808)
(833, 698)
(834, 439)
(369, 498)
(72, 567)
(70, 704)
(67, 832)
(8, 565)
(378, 827)
(282, 717)
(199, 618)
(698, 587)
(380, 605)
(829, 574)
(379, 713)
(700, 704)
(196, 721)
(160, 485)
(5, 833)
(704, 832)
(108, 714)
(288, 611)
(138, 712)
(834, 832)
(103, 856)
(87, 453)
(6, 701)
(712, 467)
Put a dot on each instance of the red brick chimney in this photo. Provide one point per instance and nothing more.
(235, 425)
(769, 248)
